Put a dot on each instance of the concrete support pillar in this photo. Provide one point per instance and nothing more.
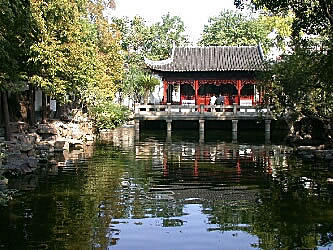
(267, 131)
(137, 129)
(169, 126)
(169, 108)
(235, 108)
(234, 126)
(234, 130)
(202, 126)
(201, 138)
(201, 131)
(201, 108)
(137, 125)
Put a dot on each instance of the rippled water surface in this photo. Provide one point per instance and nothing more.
(156, 192)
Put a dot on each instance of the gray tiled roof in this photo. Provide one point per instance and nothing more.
(217, 58)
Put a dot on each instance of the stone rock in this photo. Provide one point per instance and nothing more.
(26, 147)
(46, 129)
(53, 162)
(16, 157)
(32, 162)
(75, 142)
(2, 131)
(31, 152)
(89, 143)
(25, 168)
(89, 138)
(29, 138)
(42, 147)
(308, 156)
(329, 156)
(18, 127)
(61, 145)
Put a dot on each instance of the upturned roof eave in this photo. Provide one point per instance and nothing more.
(233, 52)
(207, 70)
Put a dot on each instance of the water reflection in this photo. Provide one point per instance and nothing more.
(159, 193)
(259, 192)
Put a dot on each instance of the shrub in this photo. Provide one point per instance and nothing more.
(108, 115)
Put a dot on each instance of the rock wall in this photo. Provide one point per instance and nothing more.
(48, 143)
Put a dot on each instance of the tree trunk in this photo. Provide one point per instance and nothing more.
(6, 115)
(145, 98)
(31, 110)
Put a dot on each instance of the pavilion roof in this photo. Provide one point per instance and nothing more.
(215, 58)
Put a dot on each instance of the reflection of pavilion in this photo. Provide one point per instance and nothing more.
(213, 164)
(230, 159)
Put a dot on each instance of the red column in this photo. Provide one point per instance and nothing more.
(239, 86)
(196, 88)
(165, 93)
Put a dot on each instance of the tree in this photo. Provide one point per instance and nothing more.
(77, 52)
(147, 82)
(300, 84)
(138, 41)
(163, 36)
(232, 28)
(15, 40)
(311, 16)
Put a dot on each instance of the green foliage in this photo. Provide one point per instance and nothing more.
(232, 28)
(74, 55)
(147, 82)
(133, 32)
(302, 84)
(311, 16)
(137, 84)
(138, 41)
(129, 86)
(108, 115)
(155, 41)
(15, 40)
(163, 36)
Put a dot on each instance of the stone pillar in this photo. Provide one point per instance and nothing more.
(201, 131)
(169, 108)
(201, 126)
(235, 108)
(137, 126)
(169, 126)
(267, 131)
(137, 129)
(234, 130)
(201, 138)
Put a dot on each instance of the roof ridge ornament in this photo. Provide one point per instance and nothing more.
(162, 62)
(261, 53)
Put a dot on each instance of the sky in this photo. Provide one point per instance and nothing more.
(194, 13)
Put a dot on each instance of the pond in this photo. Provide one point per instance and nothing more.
(157, 192)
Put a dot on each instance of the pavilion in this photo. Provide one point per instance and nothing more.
(196, 73)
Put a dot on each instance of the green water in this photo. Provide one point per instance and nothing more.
(155, 192)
